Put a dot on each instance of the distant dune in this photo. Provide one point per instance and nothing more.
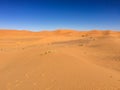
(59, 60)
(23, 32)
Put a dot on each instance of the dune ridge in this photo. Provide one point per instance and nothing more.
(62, 31)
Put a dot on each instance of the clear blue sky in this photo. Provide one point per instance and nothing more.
(60, 14)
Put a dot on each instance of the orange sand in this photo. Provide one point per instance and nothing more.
(59, 60)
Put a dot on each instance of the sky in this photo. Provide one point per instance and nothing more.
(39, 15)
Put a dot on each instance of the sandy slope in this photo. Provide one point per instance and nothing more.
(59, 60)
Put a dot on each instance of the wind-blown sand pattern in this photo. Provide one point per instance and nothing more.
(59, 60)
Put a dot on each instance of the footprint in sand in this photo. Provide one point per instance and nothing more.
(119, 80)
(47, 52)
(23, 48)
(1, 49)
(110, 76)
(80, 45)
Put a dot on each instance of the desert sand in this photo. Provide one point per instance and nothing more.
(59, 60)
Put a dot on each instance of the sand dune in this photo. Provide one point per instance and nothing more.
(59, 60)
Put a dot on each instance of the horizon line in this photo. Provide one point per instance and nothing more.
(59, 29)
